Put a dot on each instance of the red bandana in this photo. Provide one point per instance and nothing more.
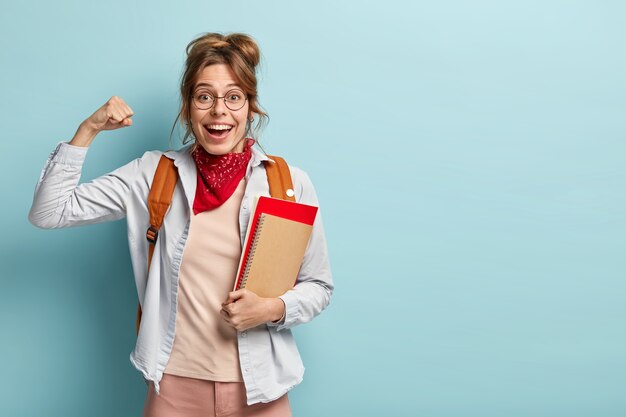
(218, 176)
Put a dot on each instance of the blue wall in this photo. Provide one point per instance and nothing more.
(469, 158)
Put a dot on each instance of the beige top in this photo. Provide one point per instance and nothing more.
(205, 346)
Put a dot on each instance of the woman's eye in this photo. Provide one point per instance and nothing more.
(234, 97)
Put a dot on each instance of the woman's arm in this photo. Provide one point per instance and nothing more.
(314, 285)
(59, 201)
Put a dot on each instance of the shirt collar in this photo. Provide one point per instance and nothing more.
(258, 157)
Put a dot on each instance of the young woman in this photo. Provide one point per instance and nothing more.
(202, 348)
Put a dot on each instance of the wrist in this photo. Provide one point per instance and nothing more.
(277, 309)
(85, 134)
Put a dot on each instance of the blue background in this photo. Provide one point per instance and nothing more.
(469, 158)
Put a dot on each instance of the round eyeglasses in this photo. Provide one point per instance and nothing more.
(233, 99)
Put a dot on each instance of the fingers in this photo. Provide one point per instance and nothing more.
(118, 110)
(237, 323)
(230, 320)
(225, 314)
(234, 296)
(229, 309)
(129, 111)
(114, 114)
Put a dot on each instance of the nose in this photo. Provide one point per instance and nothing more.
(219, 107)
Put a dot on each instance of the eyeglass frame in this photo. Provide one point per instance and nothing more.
(215, 98)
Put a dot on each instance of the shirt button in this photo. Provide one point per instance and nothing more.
(290, 193)
(244, 334)
(247, 369)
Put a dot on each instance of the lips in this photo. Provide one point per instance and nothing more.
(218, 131)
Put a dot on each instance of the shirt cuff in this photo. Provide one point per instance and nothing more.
(69, 154)
(280, 320)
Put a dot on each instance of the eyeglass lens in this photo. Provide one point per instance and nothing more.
(233, 99)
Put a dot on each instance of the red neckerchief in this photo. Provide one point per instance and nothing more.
(218, 176)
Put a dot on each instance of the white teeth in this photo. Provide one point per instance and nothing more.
(219, 127)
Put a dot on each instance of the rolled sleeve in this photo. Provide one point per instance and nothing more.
(71, 155)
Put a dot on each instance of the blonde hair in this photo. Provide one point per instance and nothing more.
(241, 53)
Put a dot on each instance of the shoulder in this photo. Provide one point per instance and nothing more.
(144, 166)
(155, 155)
(300, 176)
(176, 154)
(143, 169)
(303, 186)
(150, 159)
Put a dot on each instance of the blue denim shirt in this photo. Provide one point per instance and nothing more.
(269, 358)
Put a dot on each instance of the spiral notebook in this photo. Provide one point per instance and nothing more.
(274, 247)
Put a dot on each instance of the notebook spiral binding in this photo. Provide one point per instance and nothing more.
(255, 240)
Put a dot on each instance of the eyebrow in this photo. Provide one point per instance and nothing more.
(211, 85)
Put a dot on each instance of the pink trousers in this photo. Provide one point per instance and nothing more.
(190, 397)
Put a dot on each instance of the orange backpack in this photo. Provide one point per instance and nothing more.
(162, 189)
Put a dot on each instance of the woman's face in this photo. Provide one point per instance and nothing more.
(219, 130)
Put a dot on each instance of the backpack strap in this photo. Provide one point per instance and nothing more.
(159, 200)
(279, 179)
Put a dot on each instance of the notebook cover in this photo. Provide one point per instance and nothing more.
(275, 255)
(298, 212)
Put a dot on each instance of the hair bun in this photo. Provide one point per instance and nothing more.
(220, 44)
(247, 46)
(207, 42)
(244, 44)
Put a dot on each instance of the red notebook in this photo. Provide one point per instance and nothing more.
(276, 240)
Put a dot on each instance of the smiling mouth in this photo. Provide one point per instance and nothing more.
(218, 132)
